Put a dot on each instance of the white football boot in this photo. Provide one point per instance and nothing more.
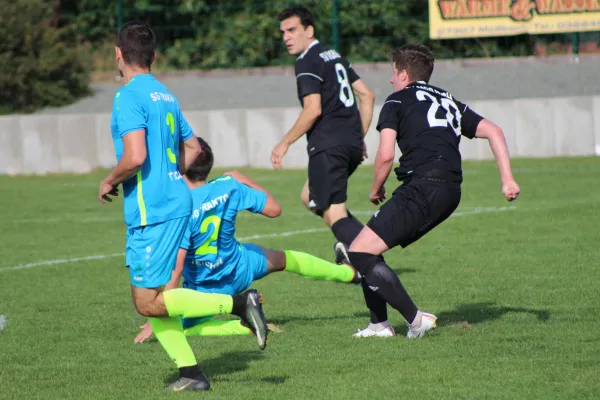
(374, 330)
(427, 322)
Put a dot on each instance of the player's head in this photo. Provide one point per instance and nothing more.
(297, 26)
(411, 63)
(135, 46)
(200, 168)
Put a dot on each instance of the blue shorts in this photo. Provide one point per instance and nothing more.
(151, 252)
(251, 267)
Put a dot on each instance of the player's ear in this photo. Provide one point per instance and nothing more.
(118, 53)
(403, 75)
(310, 31)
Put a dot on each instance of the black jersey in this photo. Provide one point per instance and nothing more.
(324, 71)
(429, 123)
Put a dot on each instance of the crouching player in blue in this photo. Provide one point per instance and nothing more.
(213, 261)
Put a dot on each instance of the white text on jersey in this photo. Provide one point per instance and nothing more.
(209, 205)
(157, 96)
(330, 55)
(432, 90)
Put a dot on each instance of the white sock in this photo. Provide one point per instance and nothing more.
(379, 327)
(417, 321)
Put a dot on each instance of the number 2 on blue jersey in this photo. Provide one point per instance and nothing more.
(206, 247)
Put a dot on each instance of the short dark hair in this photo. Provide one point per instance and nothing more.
(137, 42)
(306, 17)
(416, 59)
(202, 165)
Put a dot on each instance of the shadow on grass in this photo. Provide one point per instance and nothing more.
(402, 271)
(317, 318)
(482, 312)
(217, 369)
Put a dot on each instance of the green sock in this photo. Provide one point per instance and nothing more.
(215, 327)
(188, 303)
(313, 267)
(169, 333)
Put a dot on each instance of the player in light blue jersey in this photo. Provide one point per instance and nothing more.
(213, 261)
(154, 145)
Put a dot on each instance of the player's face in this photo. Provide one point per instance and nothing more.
(295, 36)
(399, 79)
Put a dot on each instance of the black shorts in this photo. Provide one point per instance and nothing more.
(415, 208)
(328, 173)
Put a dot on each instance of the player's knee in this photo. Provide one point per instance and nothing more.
(334, 213)
(304, 199)
(275, 259)
(144, 307)
(363, 262)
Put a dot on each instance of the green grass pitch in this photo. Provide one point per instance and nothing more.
(515, 287)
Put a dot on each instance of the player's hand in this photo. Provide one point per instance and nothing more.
(365, 155)
(511, 190)
(277, 155)
(377, 197)
(145, 334)
(105, 191)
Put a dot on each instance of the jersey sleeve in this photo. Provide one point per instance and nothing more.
(131, 115)
(187, 235)
(309, 77)
(389, 117)
(352, 75)
(470, 120)
(250, 199)
(185, 129)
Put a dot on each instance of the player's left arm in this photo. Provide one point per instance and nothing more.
(189, 148)
(366, 101)
(269, 207)
(383, 164)
(474, 125)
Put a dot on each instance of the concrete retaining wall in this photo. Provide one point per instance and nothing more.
(39, 144)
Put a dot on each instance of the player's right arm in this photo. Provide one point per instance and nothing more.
(309, 79)
(473, 125)
(271, 206)
(132, 125)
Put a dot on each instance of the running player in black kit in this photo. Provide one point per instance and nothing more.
(334, 121)
(427, 123)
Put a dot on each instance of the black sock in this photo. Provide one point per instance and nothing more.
(239, 304)
(377, 305)
(192, 372)
(347, 229)
(379, 275)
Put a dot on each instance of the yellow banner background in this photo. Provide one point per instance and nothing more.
(454, 19)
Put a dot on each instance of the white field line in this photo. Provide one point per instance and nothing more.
(480, 210)
(89, 220)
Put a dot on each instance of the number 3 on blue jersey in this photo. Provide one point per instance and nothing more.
(171, 151)
(206, 247)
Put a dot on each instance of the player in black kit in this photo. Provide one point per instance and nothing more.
(335, 125)
(427, 123)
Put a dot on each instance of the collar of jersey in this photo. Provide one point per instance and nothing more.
(309, 47)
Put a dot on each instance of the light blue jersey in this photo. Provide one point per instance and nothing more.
(157, 193)
(213, 252)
